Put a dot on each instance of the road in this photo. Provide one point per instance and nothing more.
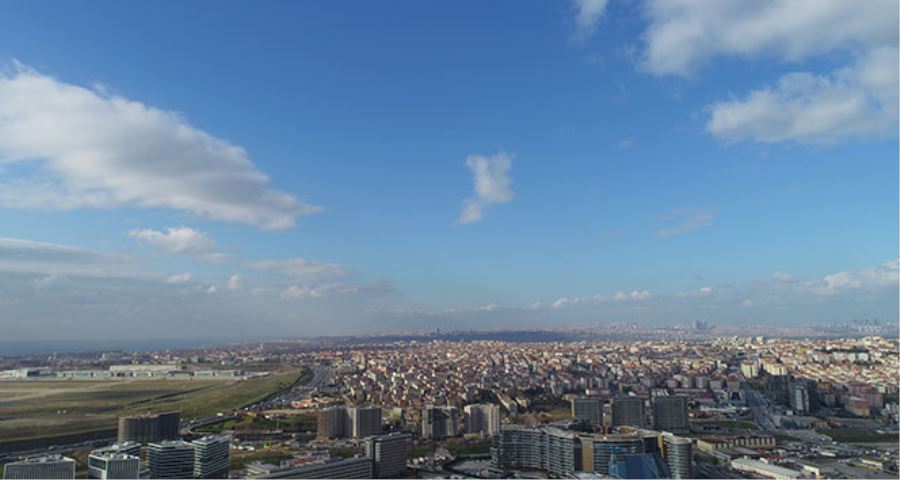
(760, 407)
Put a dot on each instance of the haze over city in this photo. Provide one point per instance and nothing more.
(184, 170)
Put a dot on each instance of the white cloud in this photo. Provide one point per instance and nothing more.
(492, 185)
(489, 308)
(886, 275)
(100, 151)
(298, 292)
(306, 292)
(27, 256)
(857, 101)
(176, 240)
(640, 295)
(783, 277)
(179, 278)
(853, 102)
(684, 34)
(212, 289)
(302, 269)
(687, 219)
(234, 282)
(705, 291)
(587, 16)
(747, 303)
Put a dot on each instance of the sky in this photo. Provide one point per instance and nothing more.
(211, 170)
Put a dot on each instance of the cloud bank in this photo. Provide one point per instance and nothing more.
(86, 149)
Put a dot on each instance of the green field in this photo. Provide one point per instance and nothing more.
(37, 408)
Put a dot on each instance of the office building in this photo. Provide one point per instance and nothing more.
(679, 453)
(439, 422)
(589, 409)
(106, 464)
(151, 427)
(333, 422)
(171, 459)
(365, 421)
(628, 411)
(483, 418)
(357, 467)
(45, 466)
(130, 448)
(638, 465)
(388, 454)
(211, 456)
(670, 414)
(597, 451)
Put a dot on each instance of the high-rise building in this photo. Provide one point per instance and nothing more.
(588, 408)
(105, 464)
(679, 454)
(482, 418)
(333, 422)
(799, 397)
(628, 411)
(365, 421)
(544, 448)
(171, 459)
(439, 422)
(45, 466)
(670, 414)
(211, 456)
(151, 427)
(388, 454)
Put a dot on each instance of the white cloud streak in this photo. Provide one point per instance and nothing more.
(688, 219)
(176, 240)
(94, 150)
(492, 185)
(301, 268)
(587, 17)
(858, 101)
(179, 278)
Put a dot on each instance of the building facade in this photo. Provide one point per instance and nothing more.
(483, 418)
(211, 456)
(154, 427)
(628, 411)
(670, 414)
(108, 465)
(365, 421)
(171, 459)
(388, 454)
(45, 466)
(588, 408)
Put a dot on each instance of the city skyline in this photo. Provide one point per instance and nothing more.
(311, 169)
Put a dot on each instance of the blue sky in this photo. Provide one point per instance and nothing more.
(640, 160)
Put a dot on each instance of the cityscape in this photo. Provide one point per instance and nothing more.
(436, 406)
(467, 239)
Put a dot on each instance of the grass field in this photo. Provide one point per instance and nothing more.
(30, 409)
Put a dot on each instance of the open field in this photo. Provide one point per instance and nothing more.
(36, 408)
